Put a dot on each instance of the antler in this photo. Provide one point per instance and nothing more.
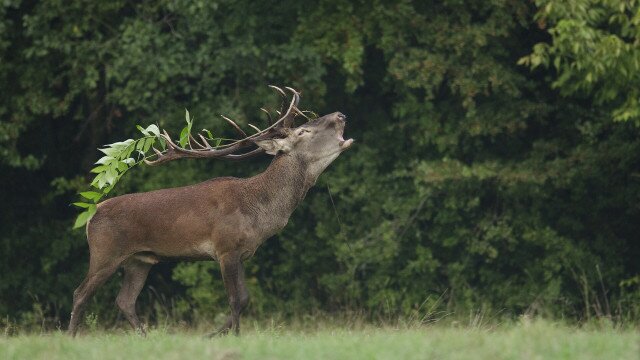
(231, 151)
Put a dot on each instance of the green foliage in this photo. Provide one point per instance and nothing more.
(118, 158)
(473, 180)
(595, 51)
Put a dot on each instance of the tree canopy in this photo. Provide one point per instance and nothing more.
(595, 50)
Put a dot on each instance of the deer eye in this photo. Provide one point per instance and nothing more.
(302, 132)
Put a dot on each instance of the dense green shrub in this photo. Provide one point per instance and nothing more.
(476, 183)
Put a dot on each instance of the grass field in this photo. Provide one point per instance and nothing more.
(524, 340)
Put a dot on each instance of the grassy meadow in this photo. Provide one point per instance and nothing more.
(521, 340)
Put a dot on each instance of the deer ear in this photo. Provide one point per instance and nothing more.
(272, 146)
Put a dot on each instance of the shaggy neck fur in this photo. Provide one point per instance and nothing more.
(285, 183)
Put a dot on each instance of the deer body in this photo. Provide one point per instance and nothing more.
(223, 219)
(204, 221)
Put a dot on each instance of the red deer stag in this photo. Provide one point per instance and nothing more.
(223, 219)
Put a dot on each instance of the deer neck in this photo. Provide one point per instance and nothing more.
(283, 185)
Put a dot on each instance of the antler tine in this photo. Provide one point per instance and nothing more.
(292, 111)
(283, 95)
(158, 154)
(204, 141)
(297, 94)
(270, 119)
(292, 90)
(191, 138)
(235, 126)
(170, 143)
(254, 127)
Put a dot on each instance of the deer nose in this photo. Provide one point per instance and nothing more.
(342, 116)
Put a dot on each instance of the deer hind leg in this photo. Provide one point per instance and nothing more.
(135, 275)
(96, 276)
(234, 283)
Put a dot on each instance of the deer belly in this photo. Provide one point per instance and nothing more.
(195, 251)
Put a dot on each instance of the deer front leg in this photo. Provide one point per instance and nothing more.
(233, 277)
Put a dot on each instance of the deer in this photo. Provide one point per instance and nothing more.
(224, 219)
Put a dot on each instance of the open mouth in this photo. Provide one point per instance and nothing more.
(344, 144)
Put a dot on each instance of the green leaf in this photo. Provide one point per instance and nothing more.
(110, 176)
(85, 216)
(142, 130)
(105, 160)
(209, 134)
(184, 136)
(186, 131)
(91, 195)
(82, 204)
(128, 142)
(122, 166)
(96, 178)
(112, 152)
(154, 130)
(81, 219)
(107, 189)
(99, 180)
(127, 152)
(148, 143)
(98, 169)
(120, 145)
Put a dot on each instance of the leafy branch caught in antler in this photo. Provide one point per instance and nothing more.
(122, 156)
(236, 150)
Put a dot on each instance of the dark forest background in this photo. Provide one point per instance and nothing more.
(496, 168)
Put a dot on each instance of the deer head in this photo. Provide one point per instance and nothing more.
(316, 143)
